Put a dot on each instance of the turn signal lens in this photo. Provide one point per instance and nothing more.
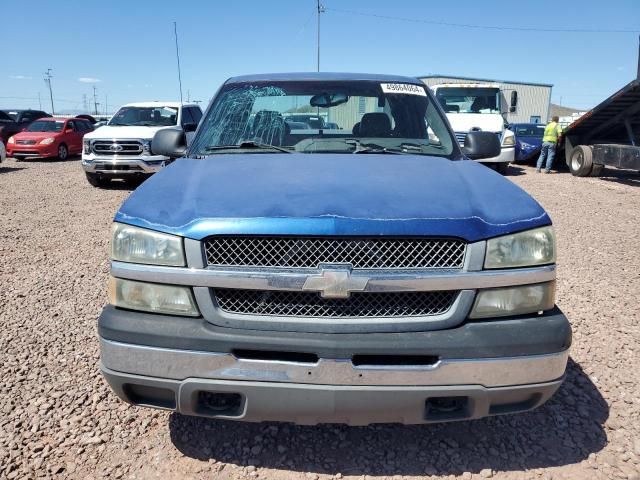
(500, 302)
(152, 297)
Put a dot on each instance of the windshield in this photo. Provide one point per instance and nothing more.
(45, 126)
(5, 117)
(469, 100)
(529, 130)
(328, 117)
(146, 116)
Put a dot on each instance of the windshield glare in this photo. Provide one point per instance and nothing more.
(45, 126)
(469, 100)
(359, 116)
(146, 116)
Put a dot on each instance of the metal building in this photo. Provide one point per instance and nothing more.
(534, 99)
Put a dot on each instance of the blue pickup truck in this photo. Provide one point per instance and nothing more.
(361, 274)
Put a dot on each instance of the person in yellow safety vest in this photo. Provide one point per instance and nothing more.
(552, 133)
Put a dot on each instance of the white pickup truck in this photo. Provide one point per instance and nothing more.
(122, 148)
(478, 107)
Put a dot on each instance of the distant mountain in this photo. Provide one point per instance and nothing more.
(562, 111)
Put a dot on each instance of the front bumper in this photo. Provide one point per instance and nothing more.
(27, 151)
(507, 155)
(111, 166)
(477, 369)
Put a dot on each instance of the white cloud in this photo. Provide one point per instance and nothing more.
(20, 77)
(620, 69)
(89, 80)
(148, 85)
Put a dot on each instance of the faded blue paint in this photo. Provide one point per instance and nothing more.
(331, 194)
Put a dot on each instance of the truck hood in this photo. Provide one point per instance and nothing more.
(488, 122)
(330, 194)
(108, 131)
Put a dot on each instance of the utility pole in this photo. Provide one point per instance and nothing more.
(320, 10)
(188, 96)
(175, 32)
(638, 74)
(95, 100)
(47, 80)
(84, 103)
(106, 104)
(39, 102)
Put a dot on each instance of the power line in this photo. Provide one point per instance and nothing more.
(482, 27)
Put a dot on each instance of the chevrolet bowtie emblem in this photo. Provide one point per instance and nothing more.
(335, 283)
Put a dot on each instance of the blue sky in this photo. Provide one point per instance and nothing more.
(126, 48)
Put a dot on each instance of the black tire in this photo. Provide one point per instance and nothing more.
(596, 171)
(96, 180)
(502, 168)
(581, 160)
(63, 152)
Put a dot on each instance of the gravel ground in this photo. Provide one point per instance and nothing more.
(59, 419)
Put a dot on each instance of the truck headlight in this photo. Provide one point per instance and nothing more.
(500, 302)
(509, 140)
(47, 141)
(139, 245)
(11, 140)
(524, 249)
(152, 297)
(86, 146)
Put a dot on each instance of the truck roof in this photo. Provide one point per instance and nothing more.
(466, 85)
(323, 76)
(159, 104)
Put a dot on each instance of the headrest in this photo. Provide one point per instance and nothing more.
(375, 124)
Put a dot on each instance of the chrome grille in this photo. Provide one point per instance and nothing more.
(25, 142)
(119, 147)
(307, 304)
(310, 252)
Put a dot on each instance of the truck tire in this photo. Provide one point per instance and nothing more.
(596, 171)
(581, 160)
(96, 180)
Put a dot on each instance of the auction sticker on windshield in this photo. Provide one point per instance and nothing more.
(406, 88)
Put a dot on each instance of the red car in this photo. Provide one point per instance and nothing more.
(49, 138)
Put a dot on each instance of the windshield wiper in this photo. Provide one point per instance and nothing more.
(369, 147)
(247, 145)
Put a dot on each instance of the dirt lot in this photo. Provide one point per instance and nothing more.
(59, 419)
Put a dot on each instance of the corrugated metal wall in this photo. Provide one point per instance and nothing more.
(533, 100)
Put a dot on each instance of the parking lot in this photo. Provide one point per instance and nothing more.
(59, 418)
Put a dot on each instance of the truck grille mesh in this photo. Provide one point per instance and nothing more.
(310, 252)
(309, 304)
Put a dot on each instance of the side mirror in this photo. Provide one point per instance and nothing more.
(170, 142)
(189, 127)
(514, 101)
(478, 145)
